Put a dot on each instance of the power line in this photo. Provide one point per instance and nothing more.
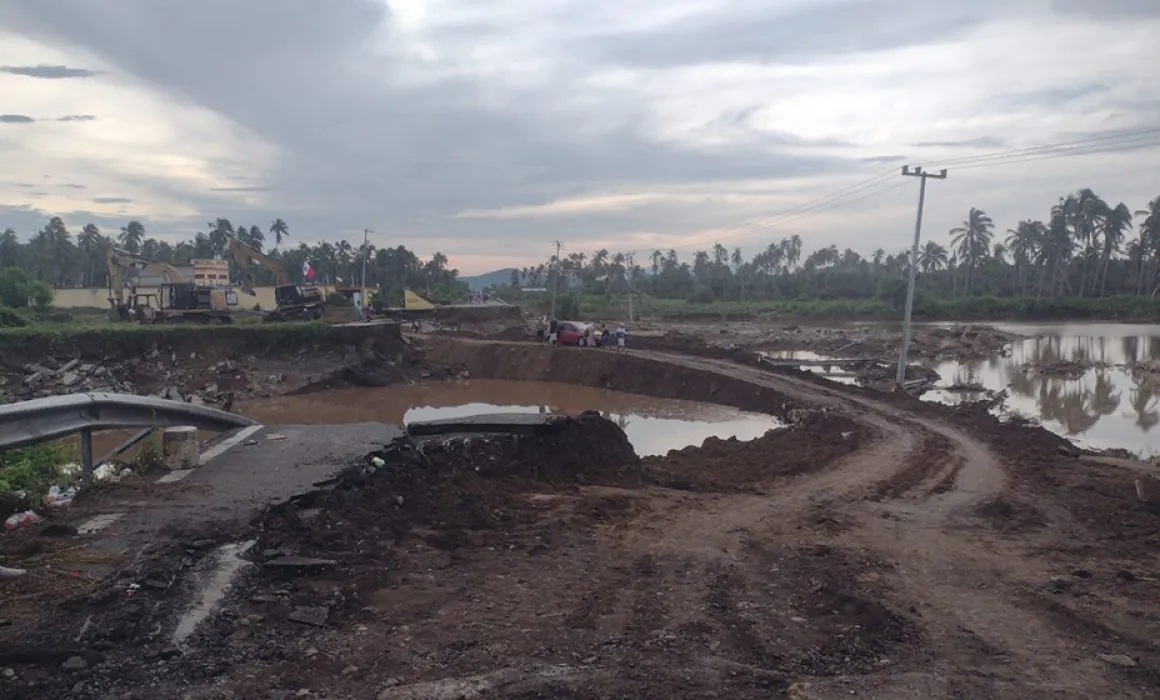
(1110, 143)
(1105, 140)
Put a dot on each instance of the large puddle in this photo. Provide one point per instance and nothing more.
(1108, 406)
(654, 426)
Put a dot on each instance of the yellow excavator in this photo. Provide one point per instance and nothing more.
(292, 301)
(176, 300)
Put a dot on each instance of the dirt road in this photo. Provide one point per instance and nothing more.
(873, 549)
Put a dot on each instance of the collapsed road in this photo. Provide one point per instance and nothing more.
(876, 547)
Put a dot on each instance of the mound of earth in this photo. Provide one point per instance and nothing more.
(734, 465)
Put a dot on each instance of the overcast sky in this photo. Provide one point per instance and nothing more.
(489, 128)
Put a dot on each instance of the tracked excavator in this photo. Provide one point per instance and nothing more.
(176, 300)
(292, 301)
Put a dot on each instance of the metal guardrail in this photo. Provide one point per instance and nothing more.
(39, 420)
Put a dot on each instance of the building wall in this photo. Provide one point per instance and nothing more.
(99, 298)
(210, 273)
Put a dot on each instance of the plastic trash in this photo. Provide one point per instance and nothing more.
(378, 462)
(57, 498)
(6, 572)
(28, 517)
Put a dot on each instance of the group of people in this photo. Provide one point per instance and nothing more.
(479, 298)
(590, 337)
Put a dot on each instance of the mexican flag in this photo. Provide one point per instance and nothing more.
(308, 270)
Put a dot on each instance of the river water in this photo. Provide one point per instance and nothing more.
(1109, 406)
(654, 426)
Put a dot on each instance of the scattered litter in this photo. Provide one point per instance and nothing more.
(250, 443)
(378, 462)
(275, 436)
(57, 498)
(6, 572)
(1121, 660)
(16, 520)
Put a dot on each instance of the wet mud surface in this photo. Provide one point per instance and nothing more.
(876, 547)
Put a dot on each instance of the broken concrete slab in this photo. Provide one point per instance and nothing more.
(296, 564)
(518, 423)
(315, 616)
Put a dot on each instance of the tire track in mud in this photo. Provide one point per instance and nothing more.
(900, 495)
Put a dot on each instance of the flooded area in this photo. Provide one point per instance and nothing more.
(1077, 379)
(654, 426)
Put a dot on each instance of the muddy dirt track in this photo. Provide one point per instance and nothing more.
(876, 548)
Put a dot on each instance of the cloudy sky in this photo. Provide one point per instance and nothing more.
(489, 128)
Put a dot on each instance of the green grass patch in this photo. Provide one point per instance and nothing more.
(121, 339)
(980, 308)
(33, 470)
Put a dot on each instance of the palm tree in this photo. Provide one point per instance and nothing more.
(932, 257)
(220, 232)
(257, 238)
(1116, 224)
(280, 231)
(91, 243)
(1150, 237)
(972, 241)
(132, 236)
(1024, 242)
(1055, 252)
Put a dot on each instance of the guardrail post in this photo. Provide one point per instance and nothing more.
(87, 449)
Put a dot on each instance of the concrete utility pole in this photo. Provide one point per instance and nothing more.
(628, 276)
(555, 277)
(365, 248)
(902, 349)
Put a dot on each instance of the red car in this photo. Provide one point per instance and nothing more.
(570, 333)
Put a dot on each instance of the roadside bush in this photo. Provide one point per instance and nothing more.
(702, 294)
(32, 470)
(18, 289)
(10, 318)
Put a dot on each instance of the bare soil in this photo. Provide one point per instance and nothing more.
(878, 547)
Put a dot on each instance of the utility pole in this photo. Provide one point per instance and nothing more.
(628, 276)
(555, 277)
(365, 248)
(918, 172)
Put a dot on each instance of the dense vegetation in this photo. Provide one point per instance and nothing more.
(1084, 252)
(55, 256)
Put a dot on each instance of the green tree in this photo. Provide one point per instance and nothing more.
(280, 231)
(972, 241)
(932, 257)
(18, 289)
(1116, 224)
(132, 236)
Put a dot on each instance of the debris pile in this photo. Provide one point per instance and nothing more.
(280, 596)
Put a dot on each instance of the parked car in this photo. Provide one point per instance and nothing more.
(570, 332)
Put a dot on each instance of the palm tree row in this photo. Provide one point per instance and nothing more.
(1074, 253)
(52, 255)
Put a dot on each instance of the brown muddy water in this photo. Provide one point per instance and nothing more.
(1109, 406)
(654, 426)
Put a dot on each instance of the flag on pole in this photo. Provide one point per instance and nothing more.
(307, 270)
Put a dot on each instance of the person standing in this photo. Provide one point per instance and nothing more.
(553, 328)
(621, 336)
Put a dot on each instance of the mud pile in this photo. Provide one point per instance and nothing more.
(312, 562)
(819, 438)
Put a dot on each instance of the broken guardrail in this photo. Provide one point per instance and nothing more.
(29, 422)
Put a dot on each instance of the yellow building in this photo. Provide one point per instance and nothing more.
(210, 273)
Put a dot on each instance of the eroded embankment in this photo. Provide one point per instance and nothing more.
(606, 369)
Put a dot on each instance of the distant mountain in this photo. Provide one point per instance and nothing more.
(489, 279)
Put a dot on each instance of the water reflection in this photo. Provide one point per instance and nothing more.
(1089, 404)
(654, 426)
